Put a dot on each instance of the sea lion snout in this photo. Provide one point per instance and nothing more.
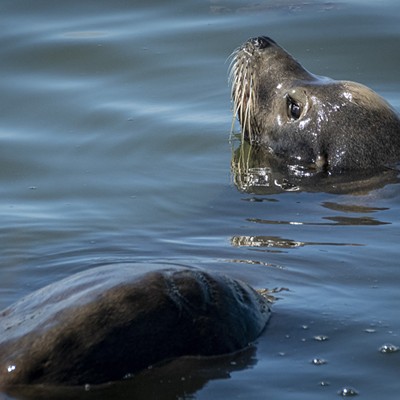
(260, 42)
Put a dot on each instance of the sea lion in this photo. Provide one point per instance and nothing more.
(113, 321)
(308, 120)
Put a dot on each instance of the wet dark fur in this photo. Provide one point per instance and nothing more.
(107, 322)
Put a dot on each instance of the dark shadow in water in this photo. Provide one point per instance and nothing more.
(256, 171)
(177, 379)
(336, 220)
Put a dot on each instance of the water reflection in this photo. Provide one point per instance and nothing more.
(277, 242)
(255, 170)
(177, 379)
(352, 208)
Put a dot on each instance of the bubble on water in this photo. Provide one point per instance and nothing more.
(348, 392)
(389, 348)
(324, 383)
(318, 361)
(87, 387)
(370, 330)
(321, 338)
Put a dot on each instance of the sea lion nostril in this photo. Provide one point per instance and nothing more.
(261, 42)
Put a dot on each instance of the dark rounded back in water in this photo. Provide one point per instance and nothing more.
(105, 323)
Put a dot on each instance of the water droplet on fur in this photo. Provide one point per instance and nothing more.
(389, 348)
(348, 392)
(11, 368)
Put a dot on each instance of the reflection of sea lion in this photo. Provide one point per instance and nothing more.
(179, 378)
(256, 170)
(109, 322)
(309, 120)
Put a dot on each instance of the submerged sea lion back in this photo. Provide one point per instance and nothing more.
(105, 323)
(309, 120)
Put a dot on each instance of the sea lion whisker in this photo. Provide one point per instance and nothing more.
(236, 80)
(249, 107)
(232, 65)
(245, 84)
(234, 119)
(243, 94)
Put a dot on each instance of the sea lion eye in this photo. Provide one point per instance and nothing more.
(293, 109)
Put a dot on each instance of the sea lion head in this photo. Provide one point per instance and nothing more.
(307, 119)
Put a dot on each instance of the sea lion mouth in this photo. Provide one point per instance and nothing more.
(243, 82)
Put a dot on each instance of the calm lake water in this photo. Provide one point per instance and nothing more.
(115, 147)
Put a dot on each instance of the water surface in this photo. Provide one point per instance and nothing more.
(115, 147)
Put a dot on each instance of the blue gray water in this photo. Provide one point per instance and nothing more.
(115, 146)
